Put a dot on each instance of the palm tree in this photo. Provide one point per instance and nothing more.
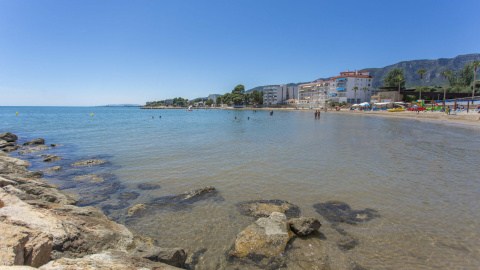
(421, 72)
(365, 89)
(445, 73)
(475, 63)
(355, 89)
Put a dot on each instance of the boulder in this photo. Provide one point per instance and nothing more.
(304, 226)
(267, 237)
(76, 231)
(171, 256)
(23, 246)
(264, 208)
(9, 149)
(340, 212)
(33, 149)
(4, 143)
(111, 259)
(47, 194)
(50, 158)
(35, 141)
(90, 162)
(9, 137)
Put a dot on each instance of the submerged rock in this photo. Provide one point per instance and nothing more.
(33, 149)
(148, 186)
(50, 158)
(171, 256)
(35, 141)
(340, 212)
(52, 169)
(173, 202)
(9, 137)
(128, 196)
(89, 177)
(89, 162)
(264, 208)
(304, 226)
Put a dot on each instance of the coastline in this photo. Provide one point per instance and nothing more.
(472, 118)
(42, 228)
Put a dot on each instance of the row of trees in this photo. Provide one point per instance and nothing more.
(239, 97)
(463, 81)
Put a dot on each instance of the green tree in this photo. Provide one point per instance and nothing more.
(365, 89)
(246, 98)
(209, 102)
(219, 100)
(445, 73)
(240, 89)
(421, 72)
(401, 80)
(355, 93)
(391, 79)
(475, 65)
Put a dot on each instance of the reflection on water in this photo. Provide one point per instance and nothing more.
(420, 177)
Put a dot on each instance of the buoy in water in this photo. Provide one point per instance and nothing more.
(91, 114)
(16, 113)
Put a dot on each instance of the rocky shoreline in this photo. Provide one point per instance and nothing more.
(45, 228)
(42, 227)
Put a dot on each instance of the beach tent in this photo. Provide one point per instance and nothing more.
(355, 105)
(364, 104)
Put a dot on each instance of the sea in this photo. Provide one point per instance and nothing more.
(421, 177)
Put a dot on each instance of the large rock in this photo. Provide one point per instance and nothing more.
(148, 186)
(4, 143)
(76, 231)
(112, 259)
(9, 165)
(35, 141)
(9, 137)
(90, 162)
(264, 208)
(50, 158)
(23, 246)
(171, 256)
(267, 237)
(52, 195)
(304, 226)
(340, 212)
(33, 149)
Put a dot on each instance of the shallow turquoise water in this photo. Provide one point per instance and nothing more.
(421, 176)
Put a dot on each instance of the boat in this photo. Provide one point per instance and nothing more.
(189, 109)
(400, 108)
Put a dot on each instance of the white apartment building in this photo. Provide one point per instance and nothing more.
(213, 97)
(315, 93)
(279, 94)
(344, 85)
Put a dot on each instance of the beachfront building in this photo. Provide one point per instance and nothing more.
(279, 94)
(314, 94)
(168, 102)
(345, 84)
(214, 97)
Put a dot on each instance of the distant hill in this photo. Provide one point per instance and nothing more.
(431, 78)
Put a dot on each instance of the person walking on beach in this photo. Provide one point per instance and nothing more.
(316, 113)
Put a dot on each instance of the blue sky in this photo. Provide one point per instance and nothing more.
(83, 53)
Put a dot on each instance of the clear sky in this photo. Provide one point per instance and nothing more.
(82, 53)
